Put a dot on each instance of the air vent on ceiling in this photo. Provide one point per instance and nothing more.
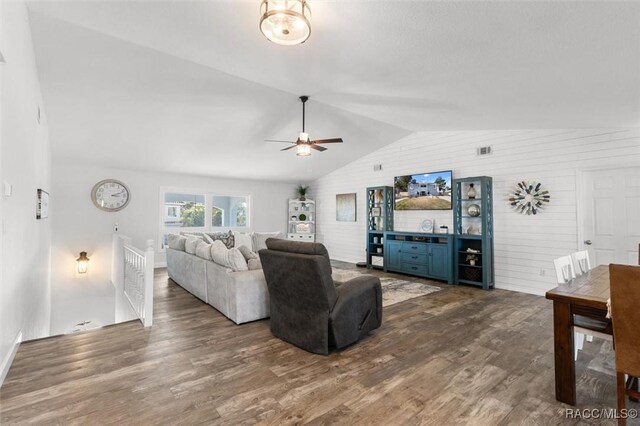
(377, 167)
(485, 150)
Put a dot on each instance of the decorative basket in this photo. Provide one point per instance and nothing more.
(473, 274)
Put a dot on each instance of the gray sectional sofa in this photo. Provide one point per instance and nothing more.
(241, 296)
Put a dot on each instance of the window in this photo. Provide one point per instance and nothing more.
(201, 211)
(184, 210)
(228, 211)
(217, 216)
(241, 214)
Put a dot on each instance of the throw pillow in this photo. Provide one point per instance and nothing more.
(254, 264)
(203, 250)
(191, 244)
(242, 240)
(259, 239)
(225, 237)
(229, 258)
(176, 242)
(236, 260)
(247, 253)
(192, 234)
(219, 253)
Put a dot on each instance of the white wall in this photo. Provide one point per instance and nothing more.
(524, 246)
(80, 226)
(25, 163)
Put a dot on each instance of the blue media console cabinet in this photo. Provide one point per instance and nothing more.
(421, 254)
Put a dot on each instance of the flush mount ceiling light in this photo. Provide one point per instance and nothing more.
(285, 22)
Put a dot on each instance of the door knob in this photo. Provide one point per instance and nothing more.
(588, 242)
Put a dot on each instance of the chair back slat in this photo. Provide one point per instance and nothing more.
(625, 314)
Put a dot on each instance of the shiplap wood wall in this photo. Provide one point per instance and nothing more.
(525, 246)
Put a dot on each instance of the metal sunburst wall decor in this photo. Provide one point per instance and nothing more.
(529, 197)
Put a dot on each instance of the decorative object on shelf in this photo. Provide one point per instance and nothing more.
(302, 192)
(444, 229)
(473, 210)
(471, 258)
(294, 217)
(285, 23)
(42, 204)
(303, 228)
(473, 274)
(346, 207)
(303, 144)
(376, 211)
(529, 197)
(83, 262)
(302, 217)
(471, 193)
(426, 226)
(110, 195)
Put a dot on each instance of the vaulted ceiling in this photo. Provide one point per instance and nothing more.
(193, 87)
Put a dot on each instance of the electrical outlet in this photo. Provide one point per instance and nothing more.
(543, 272)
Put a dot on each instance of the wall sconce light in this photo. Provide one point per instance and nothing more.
(83, 262)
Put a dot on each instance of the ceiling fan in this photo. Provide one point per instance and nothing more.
(303, 144)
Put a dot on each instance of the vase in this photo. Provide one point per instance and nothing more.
(471, 193)
(472, 262)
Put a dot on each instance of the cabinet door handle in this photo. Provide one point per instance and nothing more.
(414, 268)
(414, 247)
(414, 257)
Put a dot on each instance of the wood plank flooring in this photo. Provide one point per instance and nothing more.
(459, 356)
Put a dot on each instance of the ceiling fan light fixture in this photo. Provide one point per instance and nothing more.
(304, 137)
(285, 22)
(303, 150)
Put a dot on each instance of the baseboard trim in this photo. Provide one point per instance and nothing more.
(6, 362)
(160, 265)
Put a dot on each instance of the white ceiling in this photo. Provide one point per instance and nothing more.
(192, 86)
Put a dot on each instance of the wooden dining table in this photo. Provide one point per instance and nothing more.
(586, 296)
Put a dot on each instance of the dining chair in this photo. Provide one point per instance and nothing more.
(580, 262)
(625, 298)
(564, 274)
(582, 265)
(564, 269)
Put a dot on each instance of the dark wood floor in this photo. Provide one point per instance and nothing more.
(461, 356)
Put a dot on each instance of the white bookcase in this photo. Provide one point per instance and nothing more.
(302, 220)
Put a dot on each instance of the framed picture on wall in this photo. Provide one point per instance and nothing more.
(42, 204)
(346, 207)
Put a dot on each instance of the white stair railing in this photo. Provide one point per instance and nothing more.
(132, 272)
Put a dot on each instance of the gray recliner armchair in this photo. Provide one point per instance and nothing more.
(307, 309)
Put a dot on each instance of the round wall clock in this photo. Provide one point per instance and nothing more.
(529, 197)
(110, 195)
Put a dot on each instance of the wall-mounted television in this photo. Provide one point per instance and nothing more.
(426, 191)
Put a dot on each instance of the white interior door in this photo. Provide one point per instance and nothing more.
(611, 215)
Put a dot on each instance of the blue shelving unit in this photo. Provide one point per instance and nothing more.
(379, 220)
(473, 228)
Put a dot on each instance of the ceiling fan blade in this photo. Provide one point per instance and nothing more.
(289, 147)
(334, 140)
(318, 148)
(274, 140)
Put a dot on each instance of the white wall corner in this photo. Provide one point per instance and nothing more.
(8, 359)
